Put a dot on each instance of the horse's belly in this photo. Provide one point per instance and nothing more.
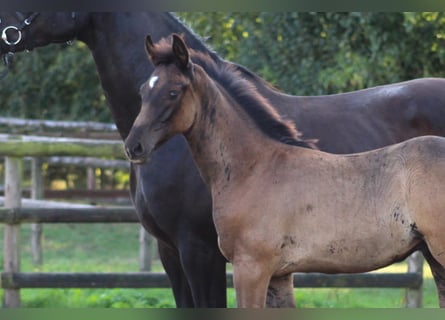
(345, 255)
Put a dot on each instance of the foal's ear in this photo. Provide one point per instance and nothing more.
(150, 48)
(181, 52)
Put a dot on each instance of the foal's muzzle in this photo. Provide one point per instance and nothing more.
(135, 152)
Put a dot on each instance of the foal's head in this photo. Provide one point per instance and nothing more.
(168, 99)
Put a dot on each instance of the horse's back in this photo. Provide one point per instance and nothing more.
(425, 191)
(427, 150)
(421, 156)
(425, 171)
(372, 118)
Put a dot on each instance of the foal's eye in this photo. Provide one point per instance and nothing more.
(173, 94)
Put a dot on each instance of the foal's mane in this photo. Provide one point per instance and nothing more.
(200, 44)
(262, 113)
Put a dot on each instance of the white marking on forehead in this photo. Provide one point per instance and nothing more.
(152, 81)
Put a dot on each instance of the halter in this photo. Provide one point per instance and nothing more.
(8, 31)
(8, 57)
(17, 30)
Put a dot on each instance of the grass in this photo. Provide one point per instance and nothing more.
(114, 248)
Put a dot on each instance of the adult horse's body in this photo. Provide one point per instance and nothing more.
(280, 207)
(171, 200)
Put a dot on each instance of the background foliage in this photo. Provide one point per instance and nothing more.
(320, 53)
(301, 53)
(54, 82)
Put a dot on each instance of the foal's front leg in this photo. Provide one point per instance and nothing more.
(250, 280)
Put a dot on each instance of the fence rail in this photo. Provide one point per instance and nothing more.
(37, 146)
(11, 280)
(157, 280)
(19, 280)
(67, 215)
(33, 124)
(79, 129)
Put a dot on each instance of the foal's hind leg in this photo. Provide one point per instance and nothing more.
(280, 293)
(438, 271)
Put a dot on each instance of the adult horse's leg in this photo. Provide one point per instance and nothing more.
(205, 267)
(438, 272)
(280, 293)
(167, 253)
(172, 265)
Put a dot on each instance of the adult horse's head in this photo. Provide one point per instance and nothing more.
(25, 31)
(167, 99)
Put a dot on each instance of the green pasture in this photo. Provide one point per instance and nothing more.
(114, 248)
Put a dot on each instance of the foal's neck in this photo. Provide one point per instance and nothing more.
(226, 145)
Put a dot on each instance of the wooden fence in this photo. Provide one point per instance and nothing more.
(14, 148)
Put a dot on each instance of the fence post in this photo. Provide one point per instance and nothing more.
(414, 296)
(145, 250)
(91, 178)
(36, 228)
(11, 250)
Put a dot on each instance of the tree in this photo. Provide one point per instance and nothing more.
(320, 53)
(57, 82)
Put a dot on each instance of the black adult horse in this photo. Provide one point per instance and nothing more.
(172, 202)
(170, 198)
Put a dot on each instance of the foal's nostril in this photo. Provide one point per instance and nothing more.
(138, 150)
(134, 151)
